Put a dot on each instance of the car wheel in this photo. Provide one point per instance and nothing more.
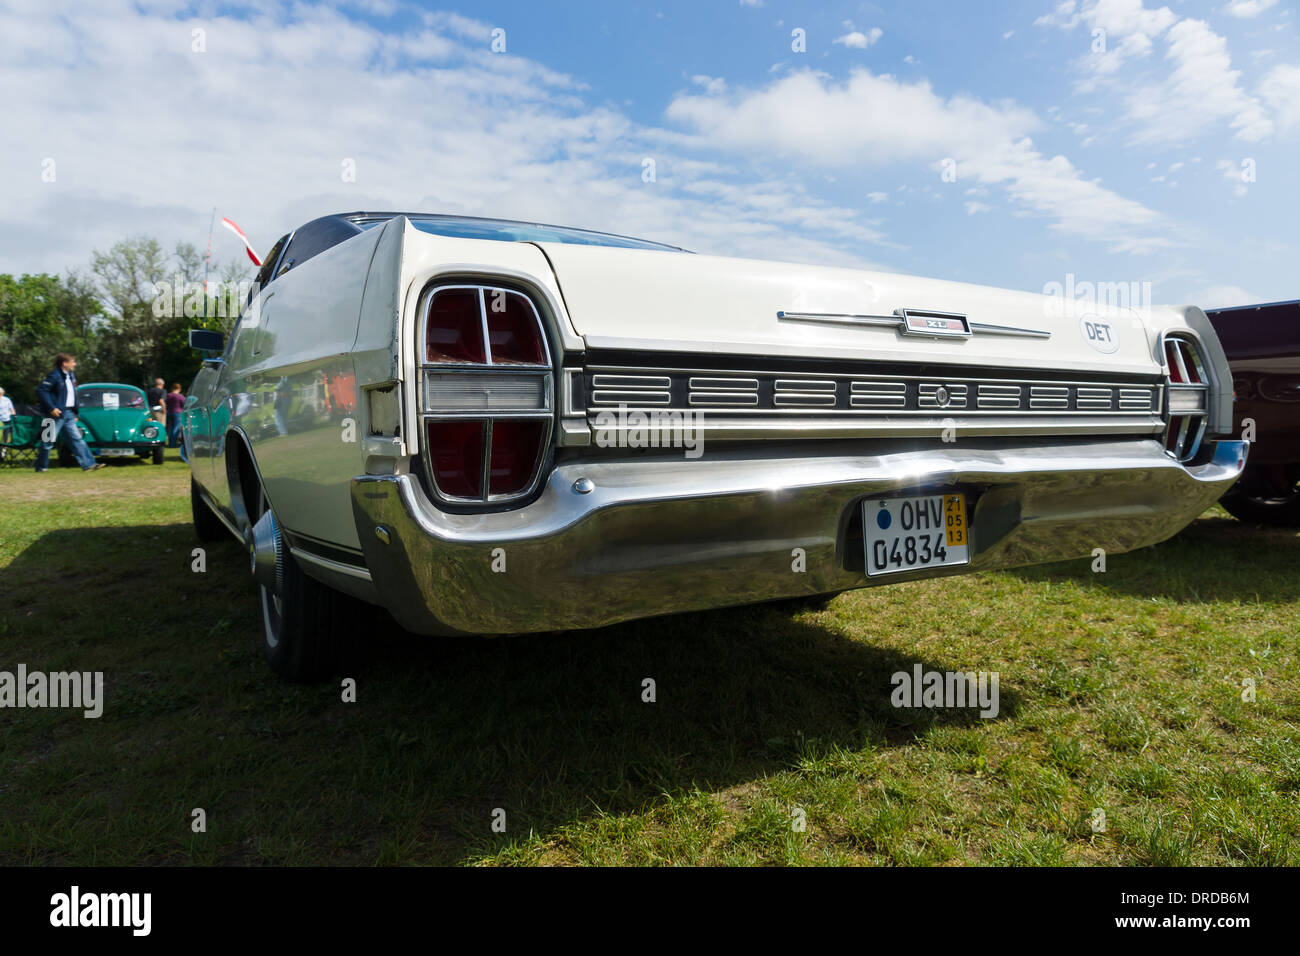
(207, 526)
(1278, 510)
(158, 455)
(307, 627)
(66, 459)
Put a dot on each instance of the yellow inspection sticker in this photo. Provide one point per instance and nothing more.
(954, 519)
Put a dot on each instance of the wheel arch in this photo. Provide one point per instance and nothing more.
(243, 478)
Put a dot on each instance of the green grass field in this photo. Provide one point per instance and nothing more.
(1120, 692)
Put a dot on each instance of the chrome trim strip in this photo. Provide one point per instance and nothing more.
(804, 385)
(628, 397)
(624, 382)
(814, 423)
(351, 570)
(723, 399)
(721, 384)
(898, 322)
(843, 318)
(804, 399)
(876, 377)
(1009, 330)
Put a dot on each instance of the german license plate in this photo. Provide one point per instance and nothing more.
(905, 534)
(117, 452)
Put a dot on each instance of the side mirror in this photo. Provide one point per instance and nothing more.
(206, 340)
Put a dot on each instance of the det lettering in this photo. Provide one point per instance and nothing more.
(1100, 334)
(74, 909)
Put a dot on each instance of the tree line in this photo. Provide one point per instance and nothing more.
(127, 318)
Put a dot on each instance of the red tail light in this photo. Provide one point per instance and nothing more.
(456, 457)
(454, 330)
(1188, 397)
(1171, 359)
(515, 447)
(486, 391)
(513, 335)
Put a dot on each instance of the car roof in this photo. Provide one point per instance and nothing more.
(355, 219)
(129, 388)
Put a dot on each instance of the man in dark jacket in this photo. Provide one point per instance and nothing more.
(57, 397)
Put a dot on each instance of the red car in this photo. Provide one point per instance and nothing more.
(1262, 343)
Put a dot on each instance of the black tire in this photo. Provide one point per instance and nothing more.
(1279, 511)
(307, 631)
(207, 526)
(158, 455)
(66, 458)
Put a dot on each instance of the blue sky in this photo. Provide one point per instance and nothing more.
(1010, 144)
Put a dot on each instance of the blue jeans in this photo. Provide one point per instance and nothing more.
(65, 428)
(173, 429)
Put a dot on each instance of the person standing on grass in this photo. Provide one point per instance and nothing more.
(57, 396)
(175, 403)
(156, 394)
(6, 416)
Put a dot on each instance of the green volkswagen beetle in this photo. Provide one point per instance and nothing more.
(116, 423)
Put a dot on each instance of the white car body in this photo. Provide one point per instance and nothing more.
(793, 375)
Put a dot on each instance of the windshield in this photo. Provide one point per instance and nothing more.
(109, 398)
(504, 230)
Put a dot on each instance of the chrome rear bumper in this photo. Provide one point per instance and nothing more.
(661, 535)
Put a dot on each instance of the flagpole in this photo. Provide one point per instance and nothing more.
(207, 257)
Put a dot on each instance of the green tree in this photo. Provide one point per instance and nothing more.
(153, 300)
(41, 315)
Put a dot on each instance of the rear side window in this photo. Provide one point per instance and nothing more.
(313, 239)
(263, 278)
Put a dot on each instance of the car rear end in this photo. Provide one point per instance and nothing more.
(569, 436)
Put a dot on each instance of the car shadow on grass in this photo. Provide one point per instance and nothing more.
(553, 729)
(1213, 559)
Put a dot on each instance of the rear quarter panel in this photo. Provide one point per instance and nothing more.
(291, 389)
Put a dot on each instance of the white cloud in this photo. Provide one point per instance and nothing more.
(876, 121)
(974, 207)
(1245, 9)
(1280, 89)
(1235, 174)
(858, 40)
(713, 85)
(150, 136)
(1201, 92)
(1062, 15)
(877, 197)
(1197, 93)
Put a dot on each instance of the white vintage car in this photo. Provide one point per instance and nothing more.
(492, 427)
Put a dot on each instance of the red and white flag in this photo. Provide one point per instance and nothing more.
(248, 246)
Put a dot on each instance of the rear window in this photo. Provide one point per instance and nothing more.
(109, 398)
